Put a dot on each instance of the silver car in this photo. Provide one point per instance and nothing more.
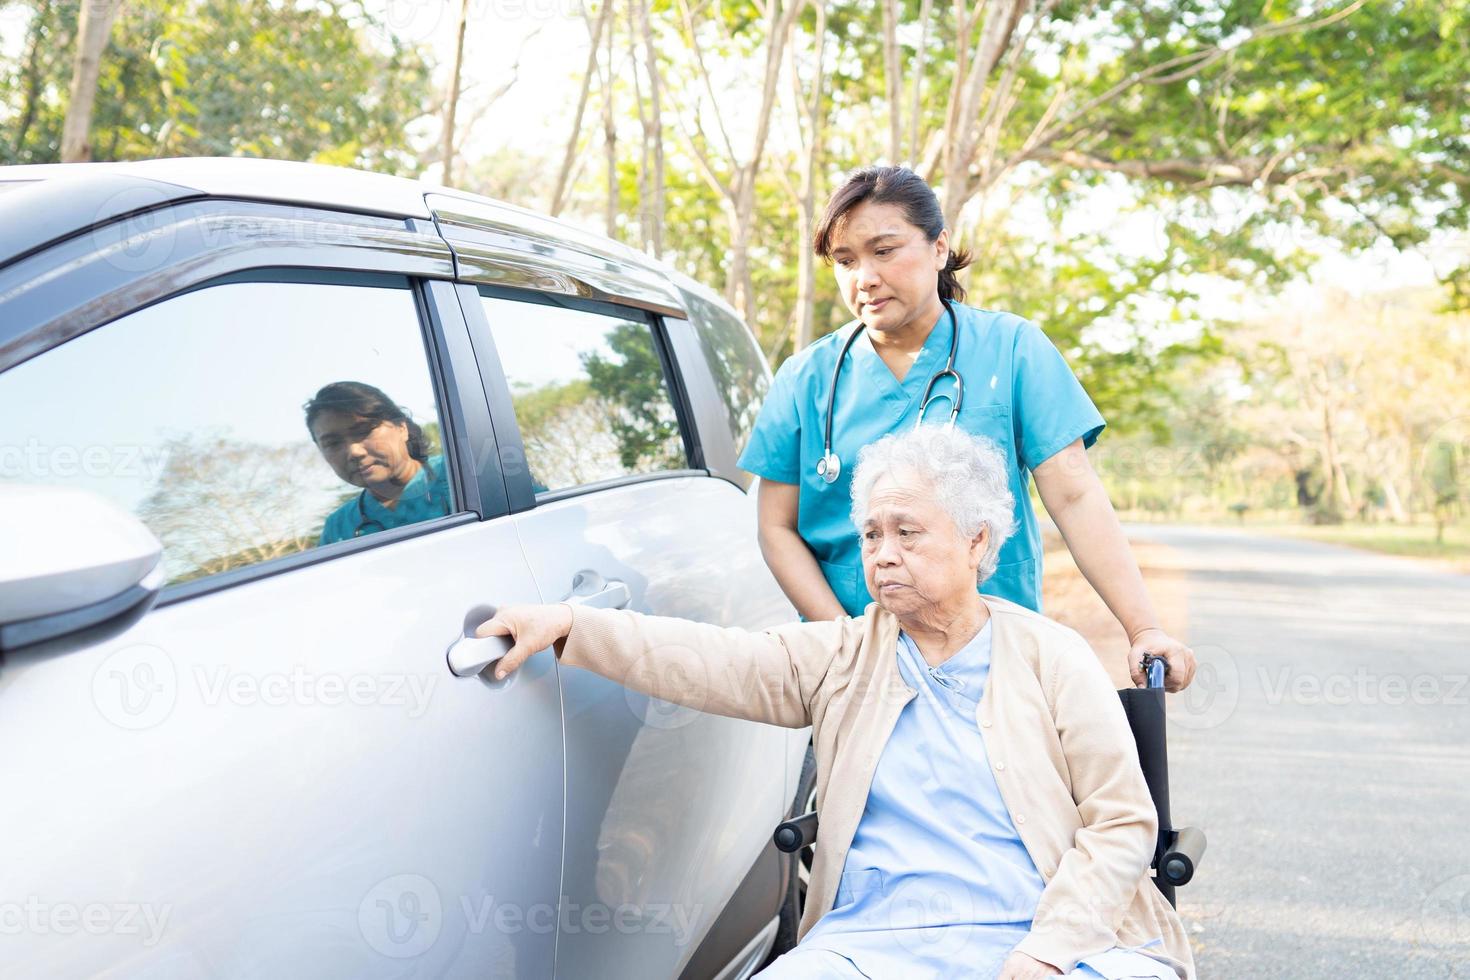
(246, 729)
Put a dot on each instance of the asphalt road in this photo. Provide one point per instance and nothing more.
(1325, 749)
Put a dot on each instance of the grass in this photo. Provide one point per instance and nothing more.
(1408, 540)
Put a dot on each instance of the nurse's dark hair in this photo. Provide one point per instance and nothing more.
(365, 401)
(903, 187)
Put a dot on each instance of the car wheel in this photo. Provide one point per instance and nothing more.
(795, 902)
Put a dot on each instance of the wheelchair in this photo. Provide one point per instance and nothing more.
(1177, 853)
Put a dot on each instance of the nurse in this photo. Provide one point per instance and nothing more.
(372, 444)
(916, 350)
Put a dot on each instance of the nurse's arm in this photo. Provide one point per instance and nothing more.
(788, 556)
(1076, 499)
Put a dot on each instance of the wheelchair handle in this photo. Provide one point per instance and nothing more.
(797, 833)
(1155, 668)
(1178, 865)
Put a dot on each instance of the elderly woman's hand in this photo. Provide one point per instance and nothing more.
(1019, 966)
(1178, 656)
(531, 627)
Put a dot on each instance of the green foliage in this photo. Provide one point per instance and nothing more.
(633, 380)
(264, 78)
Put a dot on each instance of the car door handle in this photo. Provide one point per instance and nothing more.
(612, 595)
(469, 655)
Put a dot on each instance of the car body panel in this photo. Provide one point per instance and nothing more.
(251, 827)
(668, 807)
(286, 775)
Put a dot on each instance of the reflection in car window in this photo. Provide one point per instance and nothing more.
(736, 361)
(589, 392)
(189, 413)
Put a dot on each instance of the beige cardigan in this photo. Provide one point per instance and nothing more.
(1053, 726)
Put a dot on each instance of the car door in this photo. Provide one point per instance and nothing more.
(272, 773)
(669, 809)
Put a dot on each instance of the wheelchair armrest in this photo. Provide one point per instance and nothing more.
(1179, 863)
(797, 833)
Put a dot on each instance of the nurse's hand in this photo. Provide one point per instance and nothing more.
(1019, 966)
(531, 627)
(1178, 656)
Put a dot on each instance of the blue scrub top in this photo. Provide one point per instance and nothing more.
(421, 501)
(1019, 393)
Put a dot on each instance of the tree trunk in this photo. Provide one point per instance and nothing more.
(779, 25)
(562, 189)
(32, 75)
(610, 134)
(962, 137)
(93, 29)
(806, 261)
(1339, 494)
(654, 133)
(926, 10)
(451, 100)
(892, 76)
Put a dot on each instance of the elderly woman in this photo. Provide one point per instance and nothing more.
(982, 809)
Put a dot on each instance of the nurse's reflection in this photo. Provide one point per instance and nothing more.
(372, 443)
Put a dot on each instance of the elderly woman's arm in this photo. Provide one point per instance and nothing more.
(769, 677)
(1096, 880)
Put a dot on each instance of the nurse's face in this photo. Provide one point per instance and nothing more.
(917, 564)
(364, 452)
(887, 270)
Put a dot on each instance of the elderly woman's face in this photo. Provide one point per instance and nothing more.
(364, 452)
(914, 557)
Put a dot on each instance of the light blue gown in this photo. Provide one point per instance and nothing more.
(1019, 392)
(937, 884)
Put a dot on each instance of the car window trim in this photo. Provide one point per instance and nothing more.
(370, 265)
(517, 479)
(632, 479)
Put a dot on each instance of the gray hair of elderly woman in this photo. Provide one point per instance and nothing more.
(969, 476)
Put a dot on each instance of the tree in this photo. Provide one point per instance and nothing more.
(451, 100)
(93, 29)
(730, 174)
(225, 77)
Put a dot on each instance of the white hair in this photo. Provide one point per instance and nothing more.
(969, 477)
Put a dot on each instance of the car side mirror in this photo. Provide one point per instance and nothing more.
(71, 563)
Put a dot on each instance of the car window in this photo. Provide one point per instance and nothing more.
(192, 414)
(589, 391)
(735, 360)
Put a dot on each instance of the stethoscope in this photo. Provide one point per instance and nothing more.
(829, 467)
(371, 525)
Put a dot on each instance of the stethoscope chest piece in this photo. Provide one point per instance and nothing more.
(829, 467)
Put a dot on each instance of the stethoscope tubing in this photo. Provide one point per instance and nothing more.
(829, 467)
(362, 517)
